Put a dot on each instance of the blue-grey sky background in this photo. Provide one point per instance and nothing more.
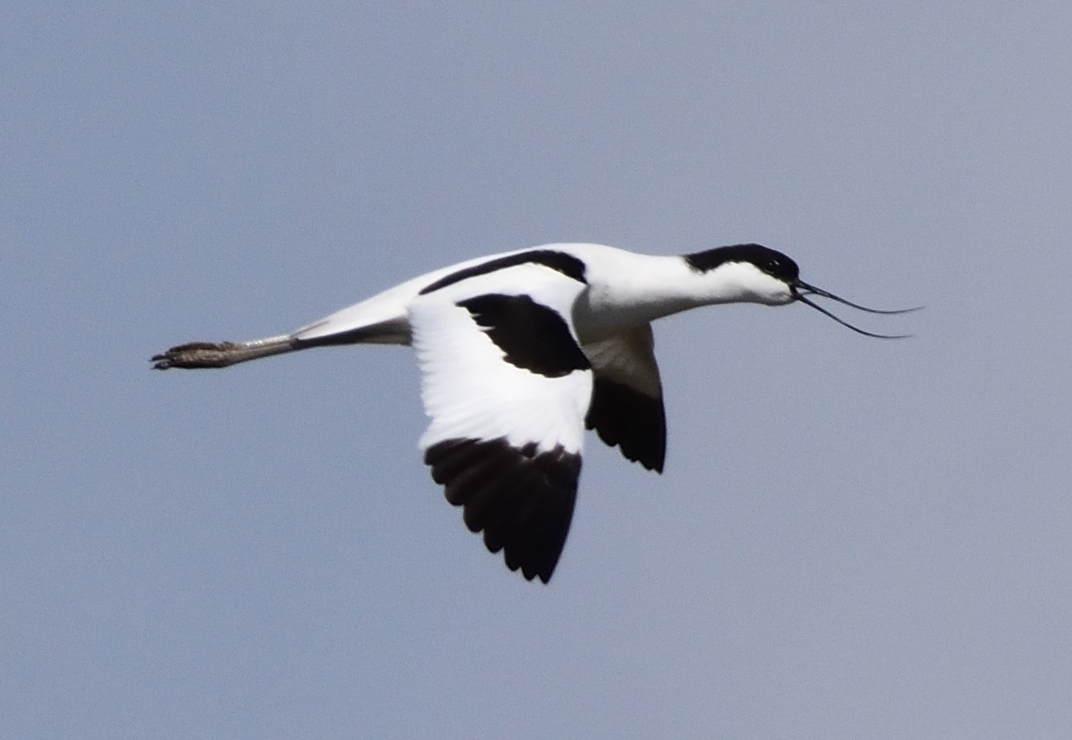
(852, 539)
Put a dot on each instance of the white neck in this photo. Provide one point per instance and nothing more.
(629, 289)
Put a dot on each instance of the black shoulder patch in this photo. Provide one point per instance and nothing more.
(768, 260)
(531, 335)
(634, 421)
(567, 264)
(522, 499)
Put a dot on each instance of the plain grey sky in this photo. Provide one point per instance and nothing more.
(853, 538)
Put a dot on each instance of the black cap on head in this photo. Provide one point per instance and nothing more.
(768, 260)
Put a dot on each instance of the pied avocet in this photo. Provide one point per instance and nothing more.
(520, 352)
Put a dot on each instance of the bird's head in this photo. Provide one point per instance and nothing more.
(758, 274)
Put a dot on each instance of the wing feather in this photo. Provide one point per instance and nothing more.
(506, 387)
(627, 398)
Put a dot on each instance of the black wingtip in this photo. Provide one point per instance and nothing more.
(633, 421)
(521, 499)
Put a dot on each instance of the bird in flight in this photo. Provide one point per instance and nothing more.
(520, 352)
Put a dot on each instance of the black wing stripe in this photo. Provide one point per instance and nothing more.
(531, 335)
(567, 264)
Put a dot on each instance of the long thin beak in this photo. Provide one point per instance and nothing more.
(801, 290)
(819, 291)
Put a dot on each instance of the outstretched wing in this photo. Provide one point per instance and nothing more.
(627, 400)
(506, 386)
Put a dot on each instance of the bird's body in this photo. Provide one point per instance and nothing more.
(519, 352)
(624, 290)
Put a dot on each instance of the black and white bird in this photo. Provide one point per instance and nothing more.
(520, 352)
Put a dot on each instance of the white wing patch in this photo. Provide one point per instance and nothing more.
(467, 386)
(628, 358)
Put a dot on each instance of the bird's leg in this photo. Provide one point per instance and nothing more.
(209, 354)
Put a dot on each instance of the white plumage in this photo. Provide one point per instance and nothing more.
(468, 388)
(519, 352)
